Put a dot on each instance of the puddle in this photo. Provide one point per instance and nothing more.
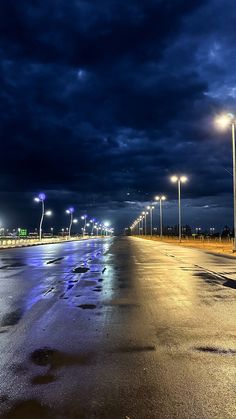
(43, 379)
(31, 409)
(54, 260)
(130, 349)
(212, 279)
(80, 270)
(48, 291)
(87, 306)
(217, 351)
(230, 283)
(48, 357)
(3, 398)
(10, 319)
(13, 265)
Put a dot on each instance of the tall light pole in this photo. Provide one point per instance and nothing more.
(150, 208)
(139, 225)
(92, 221)
(224, 121)
(160, 199)
(145, 221)
(179, 180)
(41, 198)
(70, 211)
(106, 224)
(84, 217)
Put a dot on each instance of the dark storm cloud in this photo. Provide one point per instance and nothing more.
(107, 97)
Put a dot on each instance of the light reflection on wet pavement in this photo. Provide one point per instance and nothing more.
(116, 328)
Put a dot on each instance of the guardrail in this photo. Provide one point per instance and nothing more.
(18, 242)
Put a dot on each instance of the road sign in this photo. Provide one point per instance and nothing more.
(22, 232)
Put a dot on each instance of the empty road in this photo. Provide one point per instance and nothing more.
(117, 328)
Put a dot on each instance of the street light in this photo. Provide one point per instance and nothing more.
(160, 199)
(223, 122)
(96, 228)
(92, 221)
(84, 217)
(212, 230)
(150, 208)
(179, 180)
(41, 198)
(70, 211)
(145, 213)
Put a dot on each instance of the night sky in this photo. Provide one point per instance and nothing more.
(101, 101)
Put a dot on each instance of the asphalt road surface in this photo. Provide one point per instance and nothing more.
(117, 328)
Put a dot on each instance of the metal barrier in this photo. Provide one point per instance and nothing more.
(18, 242)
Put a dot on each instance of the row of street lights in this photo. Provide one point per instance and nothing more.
(142, 219)
(223, 122)
(103, 228)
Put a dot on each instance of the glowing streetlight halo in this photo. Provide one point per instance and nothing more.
(224, 120)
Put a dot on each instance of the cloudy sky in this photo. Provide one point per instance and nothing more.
(101, 101)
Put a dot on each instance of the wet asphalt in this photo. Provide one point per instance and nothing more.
(117, 328)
